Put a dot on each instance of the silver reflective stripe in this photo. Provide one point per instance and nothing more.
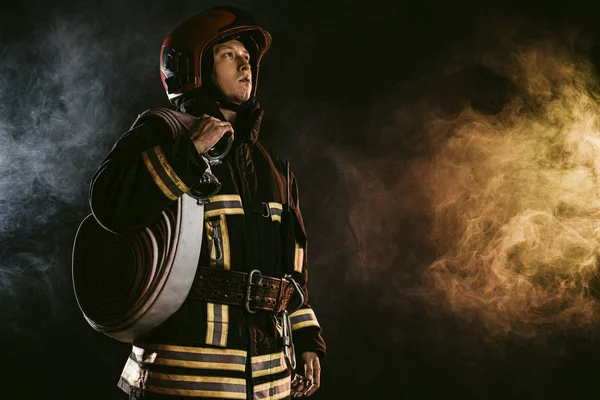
(276, 211)
(303, 318)
(199, 357)
(229, 204)
(217, 324)
(196, 386)
(268, 364)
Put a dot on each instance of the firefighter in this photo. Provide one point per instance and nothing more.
(221, 343)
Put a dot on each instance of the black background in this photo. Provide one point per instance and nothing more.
(74, 77)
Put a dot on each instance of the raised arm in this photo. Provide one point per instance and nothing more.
(146, 171)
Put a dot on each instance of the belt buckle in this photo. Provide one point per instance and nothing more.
(248, 289)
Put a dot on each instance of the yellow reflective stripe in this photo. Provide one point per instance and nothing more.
(197, 378)
(210, 325)
(223, 211)
(161, 185)
(303, 318)
(272, 384)
(198, 350)
(281, 395)
(196, 393)
(278, 206)
(271, 371)
(201, 364)
(225, 197)
(266, 357)
(217, 326)
(305, 324)
(268, 371)
(225, 242)
(224, 325)
(274, 364)
(169, 170)
(301, 312)
(198, 357)
(225, 314)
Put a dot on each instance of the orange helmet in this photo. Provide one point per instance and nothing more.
(183, 65)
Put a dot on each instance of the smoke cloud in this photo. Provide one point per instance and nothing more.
(61, 98)
(477, 192)
(515, 199)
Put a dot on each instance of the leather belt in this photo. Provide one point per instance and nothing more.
(253, 291)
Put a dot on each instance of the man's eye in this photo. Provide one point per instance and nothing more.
(247, 58)
(228, 54)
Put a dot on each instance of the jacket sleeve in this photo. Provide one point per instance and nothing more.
(306, 330)
(145, 172)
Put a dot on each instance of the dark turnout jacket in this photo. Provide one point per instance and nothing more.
(211, 350)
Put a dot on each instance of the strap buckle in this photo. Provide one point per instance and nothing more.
(248, 289)
(266, 211)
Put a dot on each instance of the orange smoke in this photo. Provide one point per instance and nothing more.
(515, 199)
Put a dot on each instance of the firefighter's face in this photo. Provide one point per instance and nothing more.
(232, 72)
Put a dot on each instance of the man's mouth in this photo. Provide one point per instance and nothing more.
(244, 79)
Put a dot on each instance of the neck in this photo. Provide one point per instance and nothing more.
(229, 115)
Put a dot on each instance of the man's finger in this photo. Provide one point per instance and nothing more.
(307, 378)
(296, 381)
(298, 389)
(315, 377)
(308, 369)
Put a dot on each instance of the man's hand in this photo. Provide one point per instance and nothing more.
(307, 384)
(206, 131)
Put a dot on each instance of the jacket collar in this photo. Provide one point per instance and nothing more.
(247, 121)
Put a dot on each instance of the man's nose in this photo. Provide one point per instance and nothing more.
(244, 65)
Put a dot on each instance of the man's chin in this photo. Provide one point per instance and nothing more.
(239, 99)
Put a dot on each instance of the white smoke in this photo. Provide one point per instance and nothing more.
(62, 94)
